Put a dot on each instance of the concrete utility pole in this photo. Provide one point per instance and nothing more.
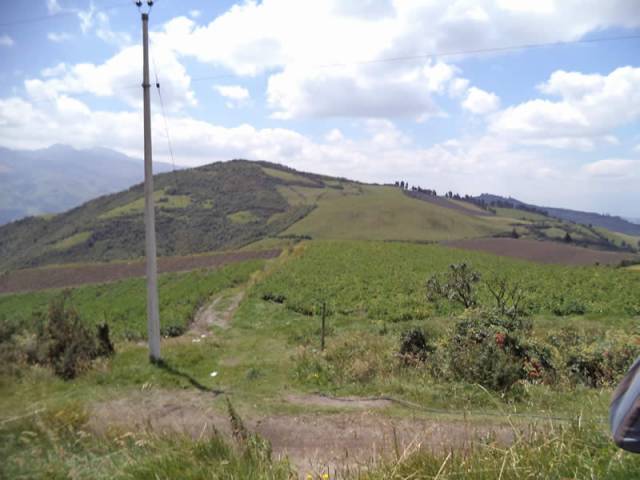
(153, 315)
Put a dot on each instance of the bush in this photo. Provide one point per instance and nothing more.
(414, 347)
(496, 352)
(458, 285)
(65, 344)
(600, 364)
(562, 307)
(172, 331)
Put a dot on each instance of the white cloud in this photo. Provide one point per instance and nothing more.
(480, 102)
(53, 7)
(6, 41)
(347, 92)
(590, 107)
(54, 71)
(613, 168)
(194, 13)
(105, 33)
(235, 94)
(382, 154)
(86, 17)
(334, 135)
(117, 77)
(59, 37)
(299, 44)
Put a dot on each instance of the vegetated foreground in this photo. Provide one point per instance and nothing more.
(543, 251)
(73, 275)
(438, 362)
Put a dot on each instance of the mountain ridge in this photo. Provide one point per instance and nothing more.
(60, 177)
(611, 222)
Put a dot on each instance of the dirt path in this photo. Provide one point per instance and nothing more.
(335, 443)
(215, 314)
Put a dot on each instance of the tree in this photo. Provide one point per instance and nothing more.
(567, 238)
(514, 233)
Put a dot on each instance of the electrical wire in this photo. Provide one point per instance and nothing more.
(166, 122)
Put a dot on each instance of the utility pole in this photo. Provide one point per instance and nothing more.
(153, 315)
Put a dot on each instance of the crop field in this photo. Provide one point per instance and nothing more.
(122, 304)
(72, 275)
(542, 251)
(395, 372)
(386, 281)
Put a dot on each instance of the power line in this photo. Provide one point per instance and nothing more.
(525, 46)
(166, 122)
(423, 56)
(54, 16)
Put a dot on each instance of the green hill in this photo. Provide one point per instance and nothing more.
(229, 205)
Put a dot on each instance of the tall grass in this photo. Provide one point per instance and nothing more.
(58, 444)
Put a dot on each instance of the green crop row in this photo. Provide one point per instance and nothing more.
(386, 281)
(122, 305)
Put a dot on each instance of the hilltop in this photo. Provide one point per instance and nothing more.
(230, 205)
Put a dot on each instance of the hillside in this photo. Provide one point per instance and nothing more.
(612, 223)
(237, 204)
(54, 179)
(231, 204)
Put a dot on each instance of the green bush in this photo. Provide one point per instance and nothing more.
(414, 347)
(562, 306)
(64, 342)
(496, 352)
(600, 363)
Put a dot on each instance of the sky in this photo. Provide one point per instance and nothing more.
(426, 91)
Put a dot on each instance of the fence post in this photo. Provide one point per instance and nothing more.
(324, 315)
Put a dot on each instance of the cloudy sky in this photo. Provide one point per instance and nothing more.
(377, 90)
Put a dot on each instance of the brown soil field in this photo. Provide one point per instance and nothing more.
(542, 252)
(68, 276)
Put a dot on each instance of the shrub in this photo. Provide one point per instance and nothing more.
(562, 307)
(494, 351)
(65, 344)
(172, 331)
(458, 285)
(414, 347)
(600, 364)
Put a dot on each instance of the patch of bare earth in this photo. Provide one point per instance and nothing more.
(218, 312)
(337, 443)
(68, 276)
(542, 251)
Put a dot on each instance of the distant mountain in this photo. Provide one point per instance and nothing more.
(613, 223)
(54, 179)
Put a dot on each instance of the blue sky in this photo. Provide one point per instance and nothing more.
(312, 85)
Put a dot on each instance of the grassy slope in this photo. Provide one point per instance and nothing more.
(385, 213)
(217, 206)
(233, 204)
